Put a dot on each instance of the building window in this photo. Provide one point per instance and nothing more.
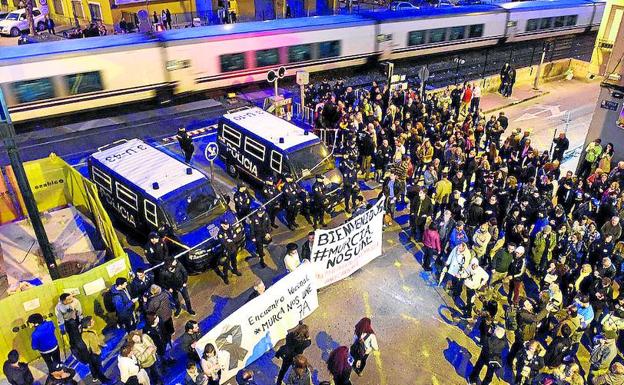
(96, 11)
(437, 35)
(33, 90)
(475, 30)
(457, 33)
(571, 20)
(329, 49)
(83, 83)
(298, 53)
(232, 62)
(546, 23)
(267, 57)
(58, 7)
(532, 25)
(416, 38)
(77, 8)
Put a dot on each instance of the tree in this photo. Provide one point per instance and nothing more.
(29, 16)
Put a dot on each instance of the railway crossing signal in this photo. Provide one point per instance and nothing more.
(274, 75)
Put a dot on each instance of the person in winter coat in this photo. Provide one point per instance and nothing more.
(297, 341)
(124, 304)
(476, 278)
(139, 287)
(457, 265)
(480, 240)
(145, 351)
(420, 210)
(364, 336)
(528, 322)
(602, 354)
(615, 376)
(543, 246)
(458, 235)
(194, 376)
(431, 245)
(189, 339)
(528, 363)
(16, 373)
(61, 375)
(93, 343)
(160, 305)
(490, 356)
(300, 372)
(174, 278)
(445, 224)
(211, 364)
(154, 329)
(501, 262)
(129, 367)
(559, 348)
(339, 367)
(68, 313)
(44, 340)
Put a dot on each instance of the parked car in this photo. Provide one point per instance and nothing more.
(3, 15)
(402, 5)
(16, 22)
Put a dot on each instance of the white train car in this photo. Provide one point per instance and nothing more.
(530, 20)
(228, 55)
(46, 79)
(436, 30)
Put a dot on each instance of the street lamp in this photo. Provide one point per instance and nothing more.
(459, 62)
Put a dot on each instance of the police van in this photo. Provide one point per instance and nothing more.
(150, 190)
(256, 144)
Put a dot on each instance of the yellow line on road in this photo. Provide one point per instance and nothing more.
(369, 312)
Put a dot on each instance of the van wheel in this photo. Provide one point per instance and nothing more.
(15, 32)
(231, 170)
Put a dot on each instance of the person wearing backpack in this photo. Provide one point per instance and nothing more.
(297, 341)
(123, 304)
(364, 343)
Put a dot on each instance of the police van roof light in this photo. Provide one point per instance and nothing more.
(189, 171)
(306, 132)
(281, 140)
(155, 186)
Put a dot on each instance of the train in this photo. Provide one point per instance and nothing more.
(50, 79)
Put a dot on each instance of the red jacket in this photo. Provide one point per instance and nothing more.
(431, 239)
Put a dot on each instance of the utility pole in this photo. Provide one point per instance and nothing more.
(7, 132)
(29, 16)
(545, 49)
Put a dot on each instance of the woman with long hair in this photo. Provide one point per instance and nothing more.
(364, 342)
(211, 365)
(339, 366)
(300, 373)
(297, 340)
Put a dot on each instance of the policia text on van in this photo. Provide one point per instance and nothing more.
(149, 190)
(256, 144)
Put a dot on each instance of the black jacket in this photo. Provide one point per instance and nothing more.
(294, 346)
(174, 279)
(19, 375)
(260, 227)
(156, 253)
(306, 251)
(494, 349)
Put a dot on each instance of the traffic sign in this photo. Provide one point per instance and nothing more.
(303, 78)
(211, 152)
(423, 73)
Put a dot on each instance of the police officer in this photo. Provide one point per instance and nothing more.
(242, 201)
(186, 144)
(156, 250)
(260, 232)
(290, 201)
(269, 191)
(305, 204)
(227, 260)
(349, 181)
(318, 201)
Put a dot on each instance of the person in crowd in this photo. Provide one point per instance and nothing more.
(16, 372)
(300, 373)
(291, 259)
(145, 351)
(260, 232)
(339, 367)
(491, 356)
(258, 289)
(242, 201)
(61, 375)
(130, 371)
(93, 342)
(272, 200)
(194, 376)
(159, 307)
(364, 343)
(431, 246)
(43, 340)
(245, 377)
(615, 376)
(306, 248)
(211, 364)
(154, 328)
(68, 312)
(49, 24)
(124, 304)
(476, 279)
(139, 288)
(174, 279)
(189, 339)
(297, 341)
(228, 260)
(156, 250)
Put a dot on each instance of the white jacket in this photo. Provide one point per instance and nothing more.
(370, 342)
(477, 277)
(128, 367)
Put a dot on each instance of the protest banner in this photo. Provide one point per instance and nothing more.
(257, 326)
(339, 252)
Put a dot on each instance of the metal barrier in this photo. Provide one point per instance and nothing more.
(303, 114)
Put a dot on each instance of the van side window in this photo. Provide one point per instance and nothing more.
(125, 195)
(150, 213)
(102, 180)
(254, 149)
(276, 161)
(231, 136)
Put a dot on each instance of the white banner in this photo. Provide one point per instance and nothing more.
(257, 326)
(341, 251)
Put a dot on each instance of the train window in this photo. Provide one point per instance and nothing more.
(475, 30)
(437, 35)
(329, 49)
(267, 57)
(532, 25)
(457, 33)
(297, 53)
(416, 37)
(32, 90)
(84, 83)
(546, 23)
(559, 21)
(571, 20)
(232, 62)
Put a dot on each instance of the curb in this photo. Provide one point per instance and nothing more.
(516, 102)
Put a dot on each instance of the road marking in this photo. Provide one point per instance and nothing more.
(541, 111)
(369, 312)
(410, 318)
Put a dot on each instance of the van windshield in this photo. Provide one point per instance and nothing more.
(304, 161)
(193, 207)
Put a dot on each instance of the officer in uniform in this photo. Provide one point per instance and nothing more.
(156, 252)
(242, 201)
(318, 201)
(349, 181)
(269, 191)
(260, 232)
(186, 144)
(229, 249)
(305, 204)
(290, 201)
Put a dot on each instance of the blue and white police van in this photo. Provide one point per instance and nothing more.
(150, 190)
(256, 144)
